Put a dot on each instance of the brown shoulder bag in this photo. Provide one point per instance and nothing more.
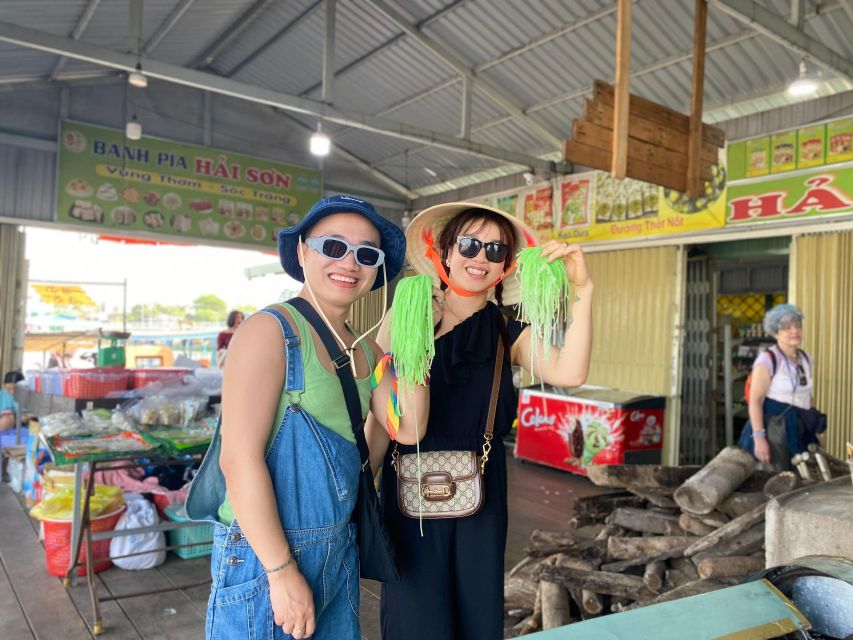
(449, 484)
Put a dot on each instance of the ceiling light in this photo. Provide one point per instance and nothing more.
(430, 172)
(136, 78)
(133, 129)
(320, 144)
(406, 220)
(806, 84)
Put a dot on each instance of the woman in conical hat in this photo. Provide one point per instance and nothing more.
(284, 550)
(451, 583)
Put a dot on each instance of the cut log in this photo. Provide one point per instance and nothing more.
(657, 498)
(646, 521)
(555, 605)
(639, 476)
(756, 481)
(589, 532)
(589, 549)
(738, 504)
(728, 531)
(715, 519)
(729, 566)
(782, 482)
(694, 525)
(675, 578)
(622, 565)
(519, 592)
(653, 575)
(619, 548)
(746, 543)
(685, 566)
(611, 530)
(692, 589)
(591, 602)
(593, 509)
(522, 564)
(615, 584)
(703, 491)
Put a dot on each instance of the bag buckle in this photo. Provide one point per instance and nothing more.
(341, 361)
(437, 486)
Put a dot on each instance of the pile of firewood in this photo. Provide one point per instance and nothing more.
(667, 533)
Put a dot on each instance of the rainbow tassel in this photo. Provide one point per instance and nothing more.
(392, 411)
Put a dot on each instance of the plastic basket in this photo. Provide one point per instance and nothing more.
(93, 383)
(141, 377)
(199, 536)
(51, 382)
(57, 544)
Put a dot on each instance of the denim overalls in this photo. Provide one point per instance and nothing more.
(314, 474)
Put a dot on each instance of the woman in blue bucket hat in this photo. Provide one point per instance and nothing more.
(285, 465)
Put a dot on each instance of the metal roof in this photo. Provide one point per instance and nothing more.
(532, 63)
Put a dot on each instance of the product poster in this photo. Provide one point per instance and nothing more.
(537, 211)
(622, 209)
(839, 136)
(811, 146)
(573, 203)
(758, 157)
(109, 182)
(783, 156)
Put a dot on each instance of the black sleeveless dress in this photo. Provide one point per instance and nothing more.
(451, 584)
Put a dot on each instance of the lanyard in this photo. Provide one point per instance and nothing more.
(795, 379)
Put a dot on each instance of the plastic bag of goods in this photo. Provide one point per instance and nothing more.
(140, 513)
(60, 505)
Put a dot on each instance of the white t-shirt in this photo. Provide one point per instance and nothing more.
(785, 385)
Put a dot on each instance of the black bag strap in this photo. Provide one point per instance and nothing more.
(341, 361)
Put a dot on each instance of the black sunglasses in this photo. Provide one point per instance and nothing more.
(336, 249)
(469, 247)
(802, 373)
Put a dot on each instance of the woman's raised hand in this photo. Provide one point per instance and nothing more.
(574, 258)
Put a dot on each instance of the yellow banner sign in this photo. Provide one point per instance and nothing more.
(64, 295)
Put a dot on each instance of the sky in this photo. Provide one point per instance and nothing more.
(164, 274)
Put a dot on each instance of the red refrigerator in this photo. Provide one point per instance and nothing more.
(589, 425)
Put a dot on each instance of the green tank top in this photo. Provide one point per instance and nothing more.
(323, 397)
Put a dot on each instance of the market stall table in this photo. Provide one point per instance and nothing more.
(81, 524)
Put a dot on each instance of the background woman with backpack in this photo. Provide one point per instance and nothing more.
(780, 393)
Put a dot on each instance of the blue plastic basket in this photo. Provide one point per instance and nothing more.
(199, 536)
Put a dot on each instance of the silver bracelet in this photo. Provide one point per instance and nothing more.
(280, 567)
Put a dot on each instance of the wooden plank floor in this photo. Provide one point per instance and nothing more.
(35, 606)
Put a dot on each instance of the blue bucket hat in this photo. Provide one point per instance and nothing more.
(391, 238)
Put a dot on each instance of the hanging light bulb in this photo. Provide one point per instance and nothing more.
(320, 144)
(133, 129)
(136, 78)
(406, 220)
(806, 83)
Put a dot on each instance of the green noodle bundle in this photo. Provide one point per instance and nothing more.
(412, 340)
(545, 295)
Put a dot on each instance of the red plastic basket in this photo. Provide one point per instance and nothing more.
(93, 383)
(141, 377)
(57, 544)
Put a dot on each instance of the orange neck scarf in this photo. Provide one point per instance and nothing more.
(433, 256)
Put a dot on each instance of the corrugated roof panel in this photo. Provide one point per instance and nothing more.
(402, 70)
(291, 63)
(202, 24)
(53, 16)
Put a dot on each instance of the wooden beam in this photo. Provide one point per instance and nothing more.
(646, 130)
(595, 135)
(658, 113)
(694, 181)
(619, 164)
(597, 158)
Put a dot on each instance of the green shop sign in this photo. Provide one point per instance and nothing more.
(821, 192)
(108, 182)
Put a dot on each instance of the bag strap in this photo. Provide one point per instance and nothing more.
(341, 361)
(493, 405)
